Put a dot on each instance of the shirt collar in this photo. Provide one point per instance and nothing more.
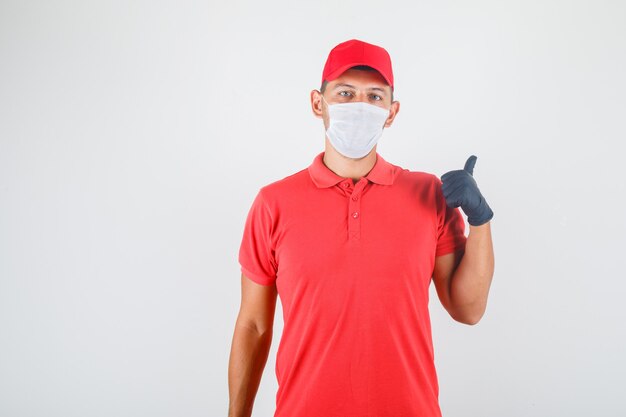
(382, 172)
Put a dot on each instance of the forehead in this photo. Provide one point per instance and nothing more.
(361, 79)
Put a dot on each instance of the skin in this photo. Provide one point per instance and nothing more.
(250, 345)
(462, 279)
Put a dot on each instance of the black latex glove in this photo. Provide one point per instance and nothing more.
(460, 189)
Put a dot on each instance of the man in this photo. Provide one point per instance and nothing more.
(350, 244)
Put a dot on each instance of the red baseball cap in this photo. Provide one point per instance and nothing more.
(355, 52)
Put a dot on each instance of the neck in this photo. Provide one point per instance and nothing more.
(347, 167)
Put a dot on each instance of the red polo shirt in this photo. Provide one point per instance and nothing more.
(352, 263)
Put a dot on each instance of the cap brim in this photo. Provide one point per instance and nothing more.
(336, 73)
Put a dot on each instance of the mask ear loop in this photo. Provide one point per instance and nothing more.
(327, 105)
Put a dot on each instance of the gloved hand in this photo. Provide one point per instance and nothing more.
(460, 189)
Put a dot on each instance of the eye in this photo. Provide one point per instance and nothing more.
(376, 95)
(343, 91)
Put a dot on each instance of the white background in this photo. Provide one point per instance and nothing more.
(135, 134)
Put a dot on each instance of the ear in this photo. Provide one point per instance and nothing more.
(393, 111)
(316, 103)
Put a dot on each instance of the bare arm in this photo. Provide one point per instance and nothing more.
(463, 278)
(251, 344)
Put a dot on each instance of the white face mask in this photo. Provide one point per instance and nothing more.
(355, 128)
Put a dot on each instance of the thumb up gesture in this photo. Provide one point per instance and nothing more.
(460, 189)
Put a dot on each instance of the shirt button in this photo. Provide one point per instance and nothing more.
(345, 184)
(355, 214)
(355, 198)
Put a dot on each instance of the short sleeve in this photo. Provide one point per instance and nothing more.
(450, 225)
(256, 253)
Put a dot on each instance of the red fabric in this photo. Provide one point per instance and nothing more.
(352, 264)
(355, 52)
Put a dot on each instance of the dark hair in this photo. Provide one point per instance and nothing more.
(357, 67)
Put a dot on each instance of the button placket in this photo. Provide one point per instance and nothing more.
(354, 211)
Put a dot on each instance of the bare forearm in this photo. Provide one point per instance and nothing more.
(248, 357)
(472, 278)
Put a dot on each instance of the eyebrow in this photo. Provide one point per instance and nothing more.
(351, 86)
